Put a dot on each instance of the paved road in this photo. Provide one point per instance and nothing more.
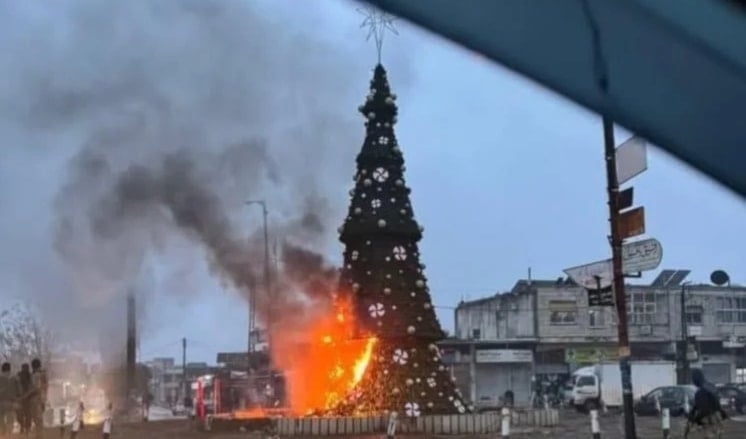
(572, 426)
(575, 425)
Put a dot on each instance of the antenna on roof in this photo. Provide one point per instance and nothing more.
(529, 275)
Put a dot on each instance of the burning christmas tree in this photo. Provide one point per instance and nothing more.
(386, 280)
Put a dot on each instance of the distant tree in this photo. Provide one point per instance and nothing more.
(23, 335)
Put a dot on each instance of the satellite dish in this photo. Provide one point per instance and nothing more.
(719, 278)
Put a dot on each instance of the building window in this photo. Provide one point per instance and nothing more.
(563, 312)
(694, 314)
(731, 310)
(741, 374)
(641, 308)
(596, 318)
(476, 334)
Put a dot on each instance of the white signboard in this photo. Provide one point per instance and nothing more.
(631, 159)
(636, 256)
(732, 342)
(641, 256)
(504, 356)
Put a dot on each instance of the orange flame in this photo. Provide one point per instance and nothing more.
(324, 364)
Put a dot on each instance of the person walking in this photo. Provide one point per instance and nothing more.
(22, 406)
(707, 414)
(108, 421)
(38, 397)
(8, 399)
(77, 423)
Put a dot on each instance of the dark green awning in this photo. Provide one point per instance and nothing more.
(676, 68)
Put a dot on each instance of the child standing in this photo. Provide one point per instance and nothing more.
(106, 428)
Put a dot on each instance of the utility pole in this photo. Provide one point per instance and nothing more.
(685, 373)
(131, 354)
(617, 240)
(183, 369)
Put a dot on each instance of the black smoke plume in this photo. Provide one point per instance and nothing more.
(133, 132)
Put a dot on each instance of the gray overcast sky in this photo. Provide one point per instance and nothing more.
(505, 175)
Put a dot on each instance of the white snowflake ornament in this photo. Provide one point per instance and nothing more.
(410, 330)
(400, 253)
(412, 409)
(367, 182)
(355, 255)
(400, 357)
(375, 203)
(380, 174)
(431, 382)
(420, 283)
(387, 291)
(376, 310)
(381, 223)
(409, 382)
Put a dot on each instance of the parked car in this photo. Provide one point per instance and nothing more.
(733, 398)
(677, 399)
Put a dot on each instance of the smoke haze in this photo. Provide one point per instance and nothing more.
(135, 132)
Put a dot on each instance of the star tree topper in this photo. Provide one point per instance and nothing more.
(377, 22)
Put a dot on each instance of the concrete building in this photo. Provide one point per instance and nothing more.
(166, 381)
(546, 329)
